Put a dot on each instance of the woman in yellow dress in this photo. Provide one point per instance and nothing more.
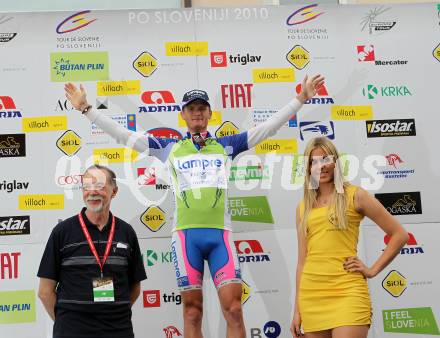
(332, 298)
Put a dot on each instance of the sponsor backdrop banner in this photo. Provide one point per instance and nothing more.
(378, 105)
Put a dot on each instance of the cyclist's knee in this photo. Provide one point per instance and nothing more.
(193, 311)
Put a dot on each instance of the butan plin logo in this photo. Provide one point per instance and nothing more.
(389, 128)
(419, 320)
(78, 66)
(74, 22)
(303, 15)
(17, 307)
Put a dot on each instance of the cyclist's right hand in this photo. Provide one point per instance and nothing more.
(295, 327)
(77, 97)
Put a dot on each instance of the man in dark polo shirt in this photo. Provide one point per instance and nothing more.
(91, 269)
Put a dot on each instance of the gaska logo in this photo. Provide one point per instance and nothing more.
(371, 91)
(366, 53)
(226, 129)
(262, 115)
(298, 56)
(220, 59)
(151, 298)
(322, 96)
(394, 161)
(15, 225)
(303, 15)
(165, 133)
(69, 143)
(190, 48)
(250, 251)
(74, 22)
(268, 75)
(41, 201)
(79, 66)
(402, 203)
(311, 129)
(411, 247)
(394, 283)
(17, 307)
(9, 265)
(145, 64)
(436, 53)
(250, 209)
(419, 320)
(128, 121)
(14, 185)
(8, 108)
(153, 218)
(247, 173)
(270, 330)
(43, 124)
(146, 176)
(373, 25)
(236, 95)
(389, 128)
(171, 331)
(151, 257)
(158, 101)
(12, 145)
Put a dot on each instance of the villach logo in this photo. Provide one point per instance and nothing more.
(303, 15)
(79, 66)
(74, 22)
(250, 209)
(374, 25)
(410, 320)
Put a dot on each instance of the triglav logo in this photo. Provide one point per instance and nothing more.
(219, 59)
(151, 298)
(374, 25)
(74, 22)
(303, 15)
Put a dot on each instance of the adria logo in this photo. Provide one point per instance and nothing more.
(411, 247)
(250, 251)
(74, 22)
(303, 15)
(157, 97)
(8, 108)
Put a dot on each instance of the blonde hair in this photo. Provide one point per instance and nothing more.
(338, 207)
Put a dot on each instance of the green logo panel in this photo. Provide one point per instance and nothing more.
(17, 307)
(250, 209)
(411, 320)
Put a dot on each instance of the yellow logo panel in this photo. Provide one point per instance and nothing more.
(352, 112)
(112, 88)
(69, 143)
(436, 52)
(145, 64)
(394, 283)
(262, 75)
(298, 56)
(190, 48)
(288, 146)
(216, 119)
(245, 292)
(226, 129)
(40, 202)
(114, 155)
(153, 218)
(45, 123)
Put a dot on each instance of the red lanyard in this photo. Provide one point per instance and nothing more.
(92, 246)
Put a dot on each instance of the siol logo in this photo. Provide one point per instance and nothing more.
(12, 145)
(322, 96)
(153, 218)
(146, 176)
(219, 59)
(145, 64)
(316, 128)
(236, 95)
(411, 247)
(151, 298)
(250, 251)
(394, 283)
(9, 265)
(303, 15)
(375, 26)
(158, 101)
(8, 108)
(366, 53)
(171, 331)
(15, 225)
(74, 22)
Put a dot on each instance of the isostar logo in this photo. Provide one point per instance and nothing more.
(412, 247)
(17, 307)
(390, 128)
(13, 185)
(151, 298)
(251, 172)
(171, 331)
(146, 176)
(8, 108)
(74, 22)
(128, 121)
(12, 145)
(298, 56)
(250, 251)
(372, 91)
(6, 37)
(394, 283)
(79, 66)
(145, 64)
(373, 25)
(158, 101)
(262, 115)
(69, 143)
(15, 225)
(9, 265)
(165, 133)
(395, 161)
(153, 218)
(43, 124)
(311, 129)
(250, 209)
(226, 129)
(238, 95)
(322, 96)
(152, 257)
(418, 320)
(366, 53)
(304, 14)
(401, 203)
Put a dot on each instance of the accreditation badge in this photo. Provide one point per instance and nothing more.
(103, 290)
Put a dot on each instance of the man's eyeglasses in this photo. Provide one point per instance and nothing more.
(93, 186)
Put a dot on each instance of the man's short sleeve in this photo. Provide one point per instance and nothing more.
(51, 261)
(160, 147)
(136, 270)
(234, 144)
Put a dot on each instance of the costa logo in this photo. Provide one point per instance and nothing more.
(74, 22)
(303, 15)
(165, 133)
(70, 179)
